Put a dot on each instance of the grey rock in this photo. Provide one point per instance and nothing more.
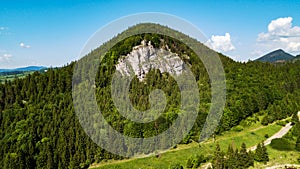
(144, 57)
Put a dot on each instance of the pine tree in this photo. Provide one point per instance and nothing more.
(251, 159)
(258, 153)
(261, 154)
(218, 162)
(244, 158)
(265, 156)
(231, 161)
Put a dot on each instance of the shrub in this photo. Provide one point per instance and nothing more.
(175, 166)
(238, 128)
(281, 123)
(189, 163)
(282, 144)
(198, 160)
(194, 162)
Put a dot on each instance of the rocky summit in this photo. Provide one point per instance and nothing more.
(145, 57)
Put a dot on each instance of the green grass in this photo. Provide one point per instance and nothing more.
(251, 136)
(12, 77)
(279, 157)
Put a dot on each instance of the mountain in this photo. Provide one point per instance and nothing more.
(276, 56)
(39, 127)
(24, 69)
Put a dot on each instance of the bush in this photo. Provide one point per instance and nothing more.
(238, 128)
(189, 163)
(194, 162)
(282, 144)
(198, 160)
(175, 166)
(281, 123)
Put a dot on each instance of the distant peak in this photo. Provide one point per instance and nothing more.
(276, 56)
(279, 50)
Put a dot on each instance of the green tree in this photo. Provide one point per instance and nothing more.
(261, 154)
(218, 160)
(244, 159)
(232, 157)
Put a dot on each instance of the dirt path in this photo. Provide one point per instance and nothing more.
(279, 134)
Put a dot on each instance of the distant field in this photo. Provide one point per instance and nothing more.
(251, 136)
(9, 77)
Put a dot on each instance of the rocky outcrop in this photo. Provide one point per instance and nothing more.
(145, 57)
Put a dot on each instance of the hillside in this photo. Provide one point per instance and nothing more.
(276, 56)
(40, 128)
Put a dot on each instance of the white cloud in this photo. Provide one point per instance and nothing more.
(220, 43)
(5, 57)
(281, 34)
(293, 46)
(22, 45)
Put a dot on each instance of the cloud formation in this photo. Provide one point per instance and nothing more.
(220, 43)
(281, 34)
(5, 57)
(22, 45)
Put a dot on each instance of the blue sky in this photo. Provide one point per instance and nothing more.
(52, 33)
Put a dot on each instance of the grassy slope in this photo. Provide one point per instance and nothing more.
(12, 77)
(251, 136)
(279, 157)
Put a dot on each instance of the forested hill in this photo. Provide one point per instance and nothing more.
(276, 56)
(39, 128)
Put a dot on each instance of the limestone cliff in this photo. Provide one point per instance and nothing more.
(145, 57)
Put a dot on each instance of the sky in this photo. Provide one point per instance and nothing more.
(53, 33)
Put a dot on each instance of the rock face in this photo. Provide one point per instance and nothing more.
(145, 57)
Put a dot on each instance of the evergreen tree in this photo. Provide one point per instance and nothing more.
(231, 158)
(218, 161)
(261, 154)
(244, 158)
(258, 153)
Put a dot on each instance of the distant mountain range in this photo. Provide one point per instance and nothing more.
(23, 69)
(276, 56)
